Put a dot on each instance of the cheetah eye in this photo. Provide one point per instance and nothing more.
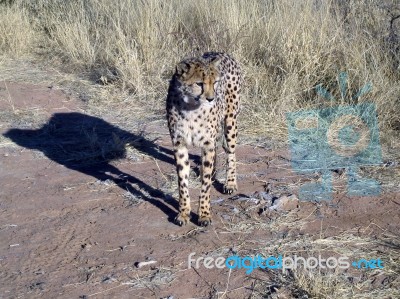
(216, 82)
(200, 84)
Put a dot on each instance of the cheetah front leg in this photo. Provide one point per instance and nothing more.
(183, 169)
(208, 158)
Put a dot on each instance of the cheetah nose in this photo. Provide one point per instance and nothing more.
(210, 99)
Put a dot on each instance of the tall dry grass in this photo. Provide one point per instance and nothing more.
(16, 33)
(286, 47)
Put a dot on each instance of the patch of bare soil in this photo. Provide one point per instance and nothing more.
(84, 201)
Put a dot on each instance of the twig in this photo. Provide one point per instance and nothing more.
(9, 97)
(158, 166)
(227, 283)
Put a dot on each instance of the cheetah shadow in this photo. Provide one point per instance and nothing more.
(88, 144)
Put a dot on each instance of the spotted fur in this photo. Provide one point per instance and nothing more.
(202, 103)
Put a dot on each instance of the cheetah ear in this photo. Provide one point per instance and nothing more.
(216, 61)
(182, 68)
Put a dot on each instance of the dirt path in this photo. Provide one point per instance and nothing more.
(71, 227)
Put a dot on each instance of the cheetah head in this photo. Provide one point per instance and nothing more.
(198, 80)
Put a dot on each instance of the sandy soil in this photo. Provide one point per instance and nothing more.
(72, 226)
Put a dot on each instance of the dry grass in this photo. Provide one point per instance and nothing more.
(323, 283)
(357, 283)
(355, 244)
(17, 37)
(286, 48)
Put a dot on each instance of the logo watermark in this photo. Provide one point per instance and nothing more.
(250, 263)
(335, 137)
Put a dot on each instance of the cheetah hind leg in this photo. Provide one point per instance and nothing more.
(229, 145)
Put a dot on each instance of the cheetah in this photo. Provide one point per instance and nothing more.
(203, 103)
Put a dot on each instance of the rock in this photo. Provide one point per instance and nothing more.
(285, 203)
(142, 264)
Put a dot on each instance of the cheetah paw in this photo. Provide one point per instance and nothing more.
(182, 219)
(205, 221)
(229, 189)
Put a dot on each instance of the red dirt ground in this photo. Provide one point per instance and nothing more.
(67, 232)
